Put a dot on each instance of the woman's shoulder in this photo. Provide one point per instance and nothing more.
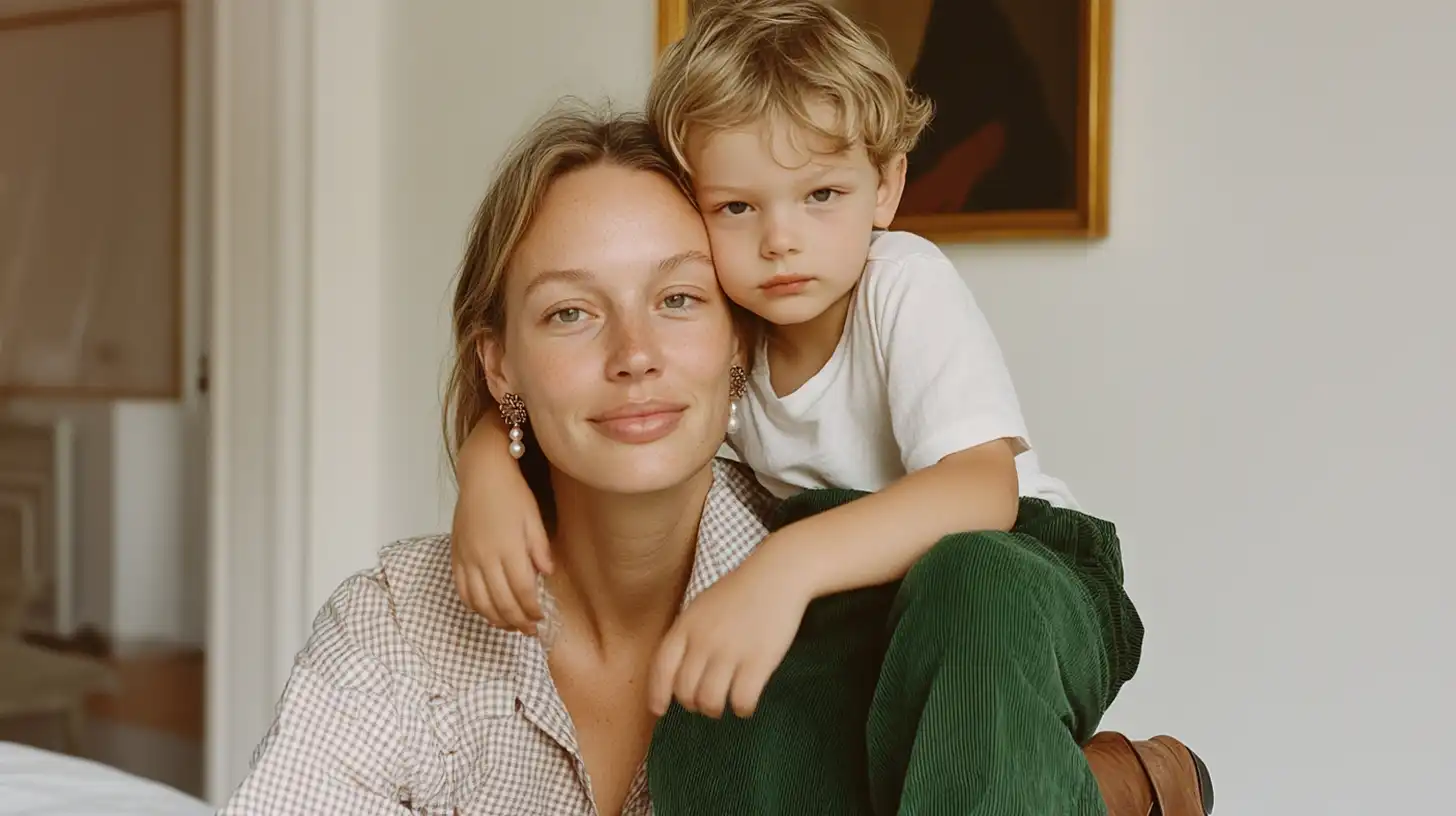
(405, 615)
(738, 492)
(405, 578)
(414, 566)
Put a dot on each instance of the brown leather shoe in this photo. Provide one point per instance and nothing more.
(1156, 777)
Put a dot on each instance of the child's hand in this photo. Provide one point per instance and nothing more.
(498, 542)
(727, 643)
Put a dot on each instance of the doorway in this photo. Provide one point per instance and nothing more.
(105, 414)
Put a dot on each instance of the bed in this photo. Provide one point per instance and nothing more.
(34, 781)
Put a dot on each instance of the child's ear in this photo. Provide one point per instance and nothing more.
(892, 186)
(491, 353)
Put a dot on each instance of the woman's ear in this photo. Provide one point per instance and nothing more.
(892, 186)
(491, 353)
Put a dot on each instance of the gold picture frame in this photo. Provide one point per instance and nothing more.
(1080, 123)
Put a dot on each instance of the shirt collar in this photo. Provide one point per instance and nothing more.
(734, 521)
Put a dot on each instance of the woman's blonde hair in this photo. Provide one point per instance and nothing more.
(570, 138)
(745, 61)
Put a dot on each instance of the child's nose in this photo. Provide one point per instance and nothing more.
(779, 239)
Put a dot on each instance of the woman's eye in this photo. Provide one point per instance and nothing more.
(735, 207)
(822, 195)
(678, 301)
(567, 315)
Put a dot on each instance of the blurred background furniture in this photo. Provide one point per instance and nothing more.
(36, 465)
(35, 680)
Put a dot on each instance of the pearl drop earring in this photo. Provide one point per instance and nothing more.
(737, 385)
(513, 411)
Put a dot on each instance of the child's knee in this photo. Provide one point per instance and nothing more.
(966, 572)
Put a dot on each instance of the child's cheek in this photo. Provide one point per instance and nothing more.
(734, 259)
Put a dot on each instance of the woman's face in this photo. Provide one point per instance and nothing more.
(617, 336)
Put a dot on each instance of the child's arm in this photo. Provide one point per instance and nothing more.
(497, 542)
(876, 539)
(727, 643)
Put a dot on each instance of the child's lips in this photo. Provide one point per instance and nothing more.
(780, 285)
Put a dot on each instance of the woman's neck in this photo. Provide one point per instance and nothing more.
(623, 562)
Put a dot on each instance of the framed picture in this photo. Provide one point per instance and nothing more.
(1018, 145)
(91, 184)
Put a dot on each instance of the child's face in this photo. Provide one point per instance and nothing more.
(788, 220)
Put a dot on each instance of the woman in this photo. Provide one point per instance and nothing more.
(403, 701)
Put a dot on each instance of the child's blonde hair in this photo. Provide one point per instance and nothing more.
(744, 60)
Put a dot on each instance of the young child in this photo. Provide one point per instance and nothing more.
(876, 371)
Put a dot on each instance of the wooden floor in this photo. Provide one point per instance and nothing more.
(159, 692)
(152, 726)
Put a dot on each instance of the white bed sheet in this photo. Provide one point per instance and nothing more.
(35, 782)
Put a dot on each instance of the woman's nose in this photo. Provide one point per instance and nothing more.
(635, 352)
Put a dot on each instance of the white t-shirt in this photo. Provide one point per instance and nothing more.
(917, 376)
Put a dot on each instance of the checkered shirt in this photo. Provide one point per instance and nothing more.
(406, 702)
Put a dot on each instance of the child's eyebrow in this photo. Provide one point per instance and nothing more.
(816, 176)
(720, 188)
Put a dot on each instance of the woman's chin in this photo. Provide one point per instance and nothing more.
(635, 469)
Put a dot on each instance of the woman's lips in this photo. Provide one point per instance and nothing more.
(639, 424)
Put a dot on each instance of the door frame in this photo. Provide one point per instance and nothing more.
(257, 388)
(297, 341)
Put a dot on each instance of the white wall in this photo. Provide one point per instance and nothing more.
(149, 550)
(461, 81)
(1254, 377)
(1248, 375)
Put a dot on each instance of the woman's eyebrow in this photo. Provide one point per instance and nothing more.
(579, 277)
(673, 262)
(575, 276)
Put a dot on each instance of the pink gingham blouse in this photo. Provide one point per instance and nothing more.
(406, 702)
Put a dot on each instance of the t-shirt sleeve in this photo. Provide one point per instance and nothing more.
(949, 389)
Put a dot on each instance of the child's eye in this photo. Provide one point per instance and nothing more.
(735, 208)
(823, 194)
